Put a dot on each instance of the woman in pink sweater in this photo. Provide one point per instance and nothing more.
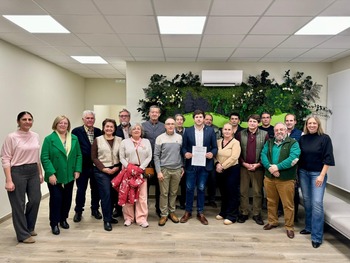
(22, 168)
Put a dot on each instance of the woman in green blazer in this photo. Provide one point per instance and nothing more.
(62, 162)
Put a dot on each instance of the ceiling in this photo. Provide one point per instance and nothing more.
(126, 30)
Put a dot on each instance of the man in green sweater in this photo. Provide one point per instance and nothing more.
(279, 157)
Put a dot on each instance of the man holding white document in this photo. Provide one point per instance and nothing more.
(198, 148)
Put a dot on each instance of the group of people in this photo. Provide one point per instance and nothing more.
(263, 157)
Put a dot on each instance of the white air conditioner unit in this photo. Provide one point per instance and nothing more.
(222, 77)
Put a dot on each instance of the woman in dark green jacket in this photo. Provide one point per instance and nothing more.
(62, 162)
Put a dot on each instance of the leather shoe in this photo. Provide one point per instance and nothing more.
(305, 232)
(258, 220)
(29, 240)
(202, 219)
(64, 224)
(162, 221)
(268, 226)
(315, 244)
(107, 226)
(290, 234)
(173, 218)
(114, 221)
(242, 218)
(55, 230)
(185, 217)
(77, 217)
(96, 214)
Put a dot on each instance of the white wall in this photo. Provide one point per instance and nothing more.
(30, 83)
(139, 73)
(104, 92)
(106, 97)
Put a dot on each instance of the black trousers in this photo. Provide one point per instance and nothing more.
(60, 202)
(82, 183)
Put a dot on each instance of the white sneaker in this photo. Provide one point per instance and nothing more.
(144, 224)
(219, 217)
(227, 222)
(127, 223)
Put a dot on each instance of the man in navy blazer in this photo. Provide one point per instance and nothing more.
(196, 176)
(86, 135)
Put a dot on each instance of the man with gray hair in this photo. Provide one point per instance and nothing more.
(153, 128)
(124, 124)
(86, 135)
(279, 157)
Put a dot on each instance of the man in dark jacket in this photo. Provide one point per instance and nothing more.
(124, 126)
(201, 138)
(86, 135)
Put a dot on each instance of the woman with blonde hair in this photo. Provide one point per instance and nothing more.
(315, 158)
(227, 174)
(137, 151)
(62, 162)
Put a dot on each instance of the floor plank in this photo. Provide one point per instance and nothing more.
(87, 241)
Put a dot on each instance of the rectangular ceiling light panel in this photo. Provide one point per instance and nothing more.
(181, 25)
(325, 25)
(37, 24)
(90, 59)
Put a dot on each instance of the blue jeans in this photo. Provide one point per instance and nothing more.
(196, 176)
(313, 203)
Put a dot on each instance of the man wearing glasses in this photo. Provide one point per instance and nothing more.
(123, 128)
(122, 131)
(168, 164)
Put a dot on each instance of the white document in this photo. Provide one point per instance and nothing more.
(198, 155)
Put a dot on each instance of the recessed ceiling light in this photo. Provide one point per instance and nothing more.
(37, 24)
(325, 25)
(181, 25)
(90, 59)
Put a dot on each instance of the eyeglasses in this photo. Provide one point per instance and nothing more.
(124, 116)
(169, 123)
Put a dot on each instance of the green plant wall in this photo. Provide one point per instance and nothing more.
(184, 94)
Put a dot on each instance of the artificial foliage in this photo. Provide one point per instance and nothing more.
(184, 94)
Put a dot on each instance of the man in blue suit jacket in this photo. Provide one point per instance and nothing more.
(86, 134)
(197, 135)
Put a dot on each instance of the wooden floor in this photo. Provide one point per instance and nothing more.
(87, 241)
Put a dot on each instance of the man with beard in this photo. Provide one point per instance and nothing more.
(122, 131)
(123, 128)
(279, 157)
(235, 121)
(252, 141)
